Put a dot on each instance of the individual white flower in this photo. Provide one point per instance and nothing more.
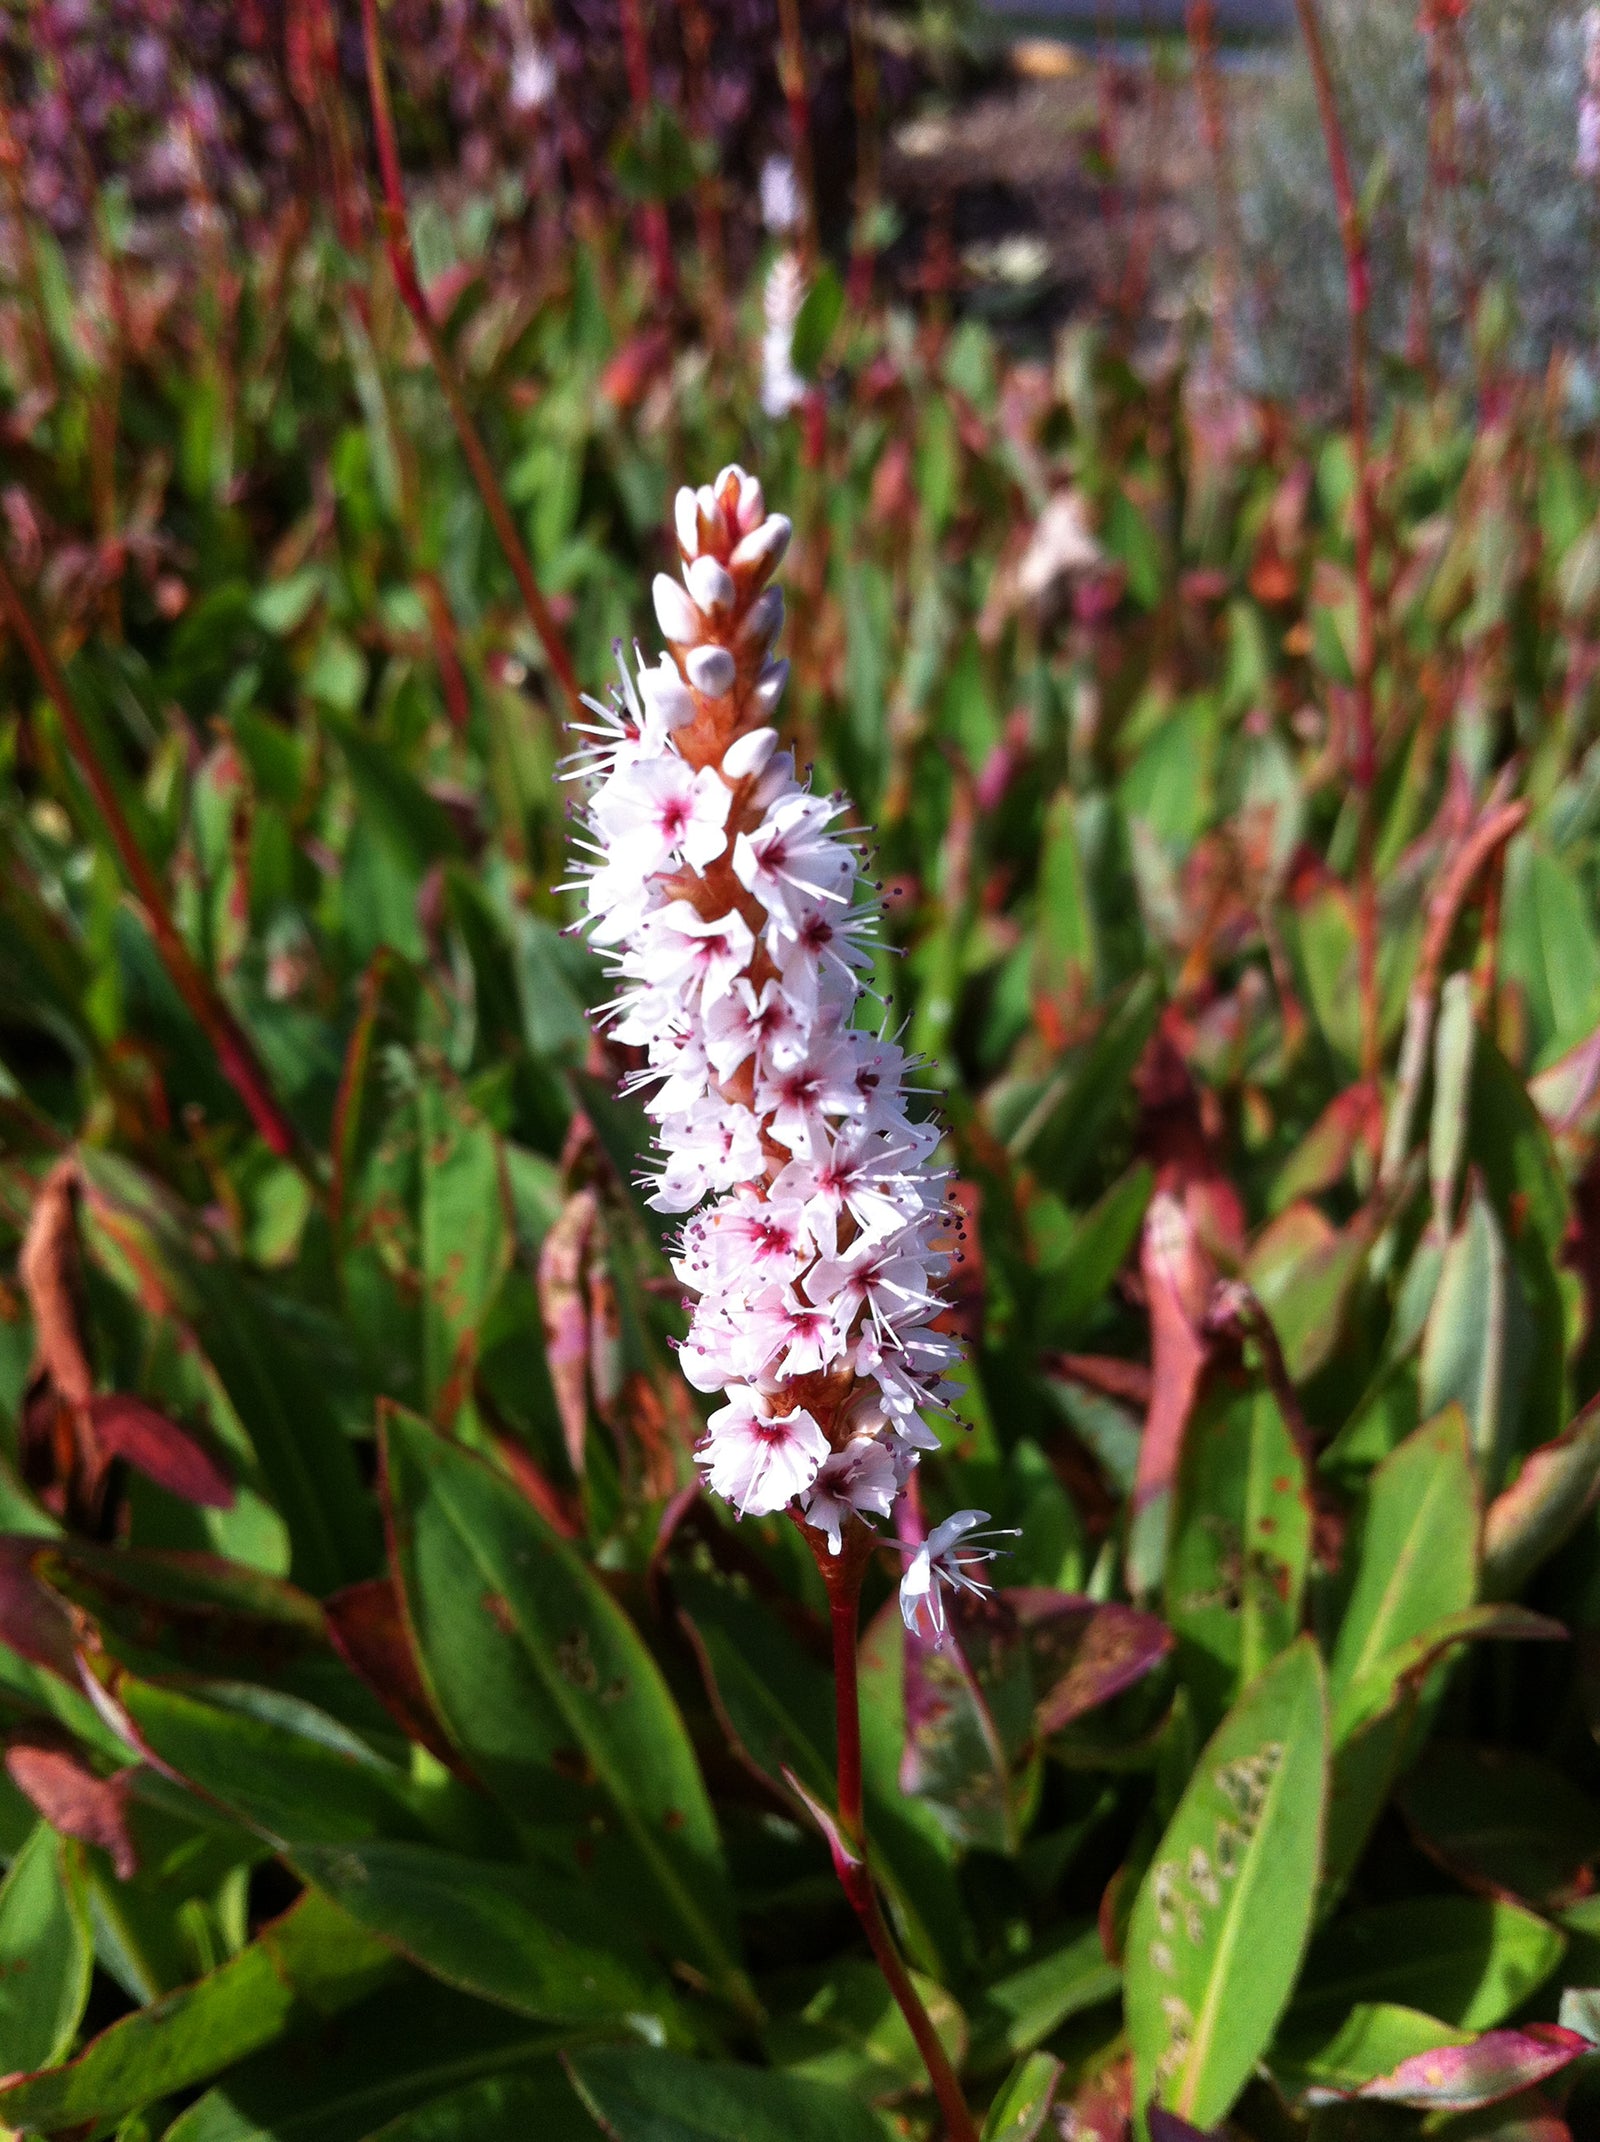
(949, 1559)
(863, 1478)
(782, 388)
(659, 811)
(760, 1460)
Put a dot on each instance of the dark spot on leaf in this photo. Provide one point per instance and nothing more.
(498, 1608)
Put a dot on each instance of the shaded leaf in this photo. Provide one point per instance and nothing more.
(655, 2097)
(1023, 2100)
(546, 1687)
(46, 1953)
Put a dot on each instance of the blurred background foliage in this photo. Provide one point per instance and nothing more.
(395, 1743)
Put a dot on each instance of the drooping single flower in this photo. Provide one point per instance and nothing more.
(729, 899)
(949, 1560)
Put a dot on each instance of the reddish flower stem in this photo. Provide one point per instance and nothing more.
(842, 1574)
(236, 1054)
(1358, 287)
(403, 266)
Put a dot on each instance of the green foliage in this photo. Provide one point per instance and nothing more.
(394, 1748)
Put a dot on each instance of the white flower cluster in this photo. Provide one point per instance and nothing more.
(817, 1235)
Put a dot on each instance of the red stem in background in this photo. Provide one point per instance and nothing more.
(653, 228)
(864, 91)
(235, 1051)
(1358, 287)
(842, 1574)
(792, 75)
(403, 266)
(1200, 25)
(707, 186)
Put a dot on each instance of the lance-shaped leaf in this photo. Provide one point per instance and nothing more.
(1476, 1346)
(46, 1952)
(149, 1247)
(546, 1687)
(1240, 1547)
(1467, 1960)
(1082, 1652)
(521, 1936)
(1416, 1561)
(1023, 2100)
(312, 1961)
(840, 2024)
(1543, 1506)
(1464, 2078)
(1022, 2009)
(1224, 1910)
(657, 2097)
(400, 2053)
(1503, 1820)
(971, 1752)
(465, 1238)
(281, 1766)
(1178, 1278)
(173, 1457)
(564, 1309)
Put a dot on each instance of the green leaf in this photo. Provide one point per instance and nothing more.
(1477, 1341)
(311, 1961)
(517, 1935)
(1417, 1558)
(1078, 1277)
(776, 1706)
(1066, 958)
(1023, 2099)
(282, 1766)
(1065, 1127)
(545, 1685)
(498, 2108)
(465, 1240)
(408, 2055)
(819, 315)
(1543, 1506)
(1223, 1913)
(46, 1953)
(1371, 2040)
(1022, 2009)
(1304, 1269)
(1548, 945)
(153, 1251)
(1467, 1960)
(842, 2025)
(655, 2097)
(1240, 1548)
(1503, 1818)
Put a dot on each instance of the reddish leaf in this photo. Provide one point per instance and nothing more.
(173, 1457)
(562, 1255)
(33, 1621)
(1460, 2078)
(1178, 1277)
(47, 1266)
(76, 1802)
(1082, 1654)
(369, 1633)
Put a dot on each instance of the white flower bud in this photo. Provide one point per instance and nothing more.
(769, 685)
(763, 548)
(711, 670)
(747, 754)
(675, 613)
(711, 586)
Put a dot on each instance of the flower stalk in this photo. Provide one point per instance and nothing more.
(816, 1237)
